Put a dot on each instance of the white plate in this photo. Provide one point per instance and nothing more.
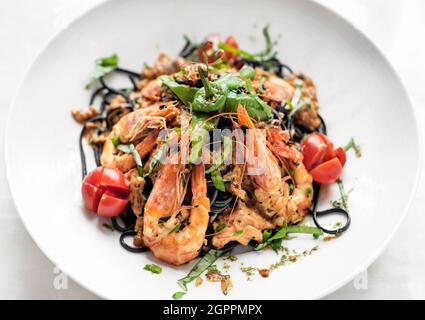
(360, 94)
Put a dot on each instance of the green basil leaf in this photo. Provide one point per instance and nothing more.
(105, 65)
(218, 181)
(238, 233)
(178, 295)
(153, 268)
(185, 93)
(221, 227)
(203, 264)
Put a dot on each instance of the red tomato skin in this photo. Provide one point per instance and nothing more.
(111, 206)
(328, 172)
(94, 176)
(91, 196)
(314, 149)
(105, 187)
(231, 41)
(114, 179)
(341, 155)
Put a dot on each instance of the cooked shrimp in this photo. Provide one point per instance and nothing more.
(132, 126)
(272, 192)
(277, 90)
(302, 195)
(169, 241)
(152, 90)
(113, 158)
(243, 225)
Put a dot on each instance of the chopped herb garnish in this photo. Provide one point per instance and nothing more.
(309, 190)
(238, 233)
(353, 145)
(221, 227)
(153, 268)
(104, 66)
(130, 149)
(218, 181)
(291, 188)
(203, 264)
(275, 241)
(266, 235)
(115, 141)
(296, 103)
(178, 295)
(342, 202)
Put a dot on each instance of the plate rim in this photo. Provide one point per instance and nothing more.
(325, 292)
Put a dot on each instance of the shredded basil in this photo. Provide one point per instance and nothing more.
(221, 227)
(275, 241)
(178, 295)
(130, 149)
(115, 141)
(296, 103)
(342, 202)
(218, 181)
(153, 268)
(203, 264)
(105, 65)
(353, 145)
(238, 233)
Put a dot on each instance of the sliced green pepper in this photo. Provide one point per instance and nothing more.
(185, 93)
(211, 97)
(251, 104)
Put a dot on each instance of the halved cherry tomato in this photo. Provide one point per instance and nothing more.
(105, 191)
(341, 155)
(111, 206)
(231, 41)
(327, 172)
(314, 149)
(321, 159)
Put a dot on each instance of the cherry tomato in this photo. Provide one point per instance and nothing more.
(321, 159)
(231, 42)
(105, 191)
(341, 155)
(111, 206)
(314, 148)
(327, 172)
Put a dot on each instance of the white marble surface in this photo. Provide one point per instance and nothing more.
(397, 27)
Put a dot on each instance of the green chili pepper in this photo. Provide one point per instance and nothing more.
(211, 97)
(253, 107)
(185, 93)
(235, 81)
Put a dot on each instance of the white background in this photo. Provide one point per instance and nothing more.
(397, 27)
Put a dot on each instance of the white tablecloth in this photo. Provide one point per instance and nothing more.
(397, 27)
